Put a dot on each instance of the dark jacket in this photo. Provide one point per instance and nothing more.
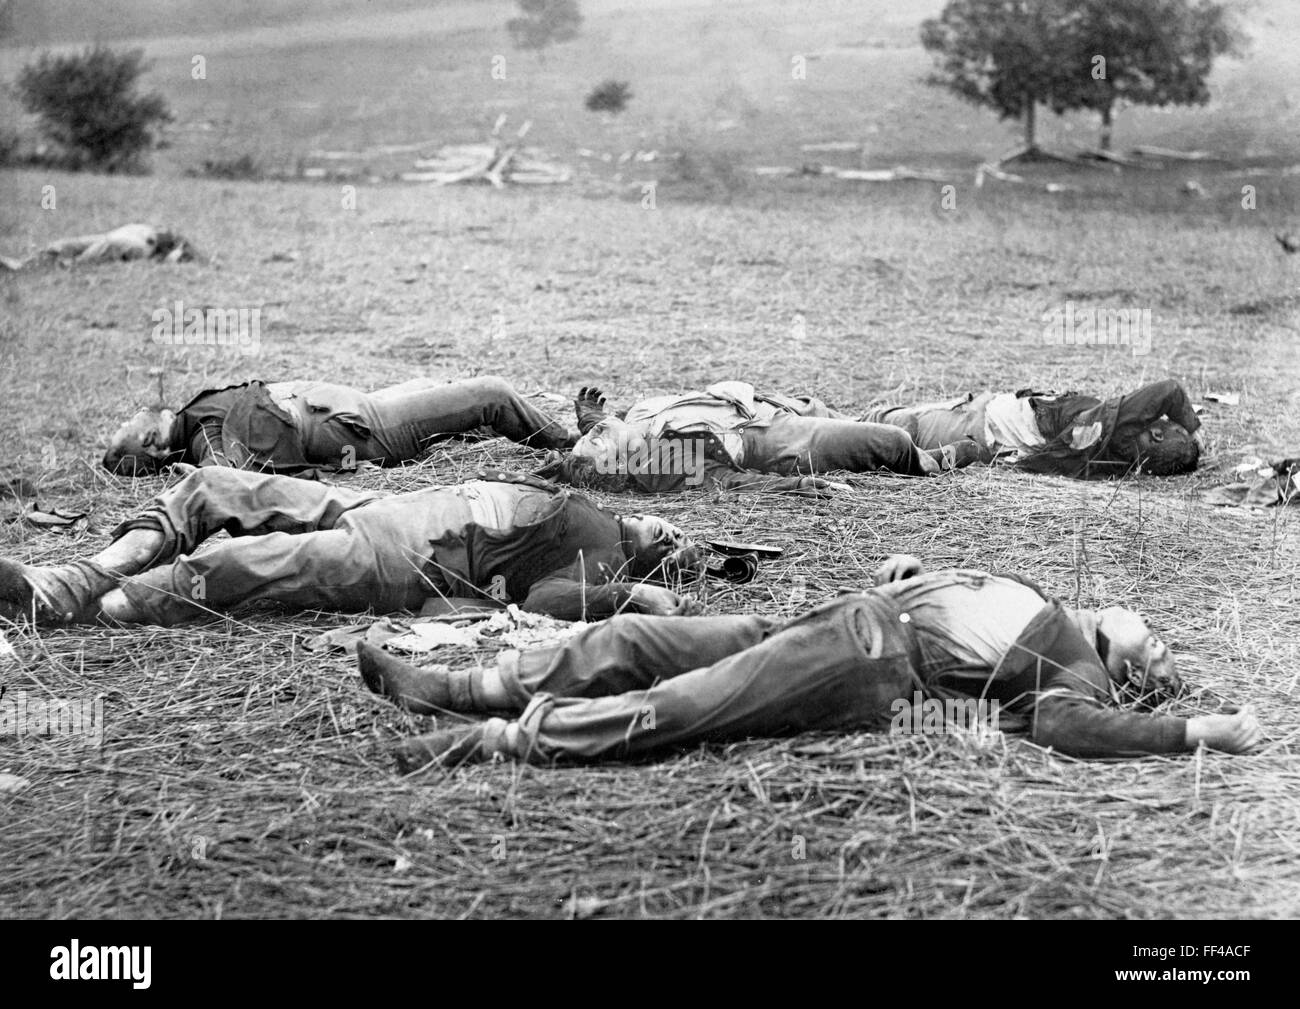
(1054, 684)
(1122, 419)
(566, 558)
(239, 426)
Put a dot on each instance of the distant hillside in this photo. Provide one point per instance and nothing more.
(44, 22)
(286, 77)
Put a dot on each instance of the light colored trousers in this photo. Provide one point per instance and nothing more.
(635, 684)
(397, 424)
(792, 445)
(300, 543)
(934, 424)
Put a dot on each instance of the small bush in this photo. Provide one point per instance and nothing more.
(243, 168)
(701, 173)
(609, 96)
(88, 105)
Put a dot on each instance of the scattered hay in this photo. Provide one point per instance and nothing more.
(242, 775)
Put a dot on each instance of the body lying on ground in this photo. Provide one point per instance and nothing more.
(1069, 434)
(296, 427)
(732, 437)
(636, 685)
(130, 241)
(306, 545)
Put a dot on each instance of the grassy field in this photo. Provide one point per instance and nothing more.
(243, 776)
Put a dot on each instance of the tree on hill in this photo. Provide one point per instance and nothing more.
(1001, 55)
(1014, 55)
(87, 103)
(1157, 52)
(544, 23)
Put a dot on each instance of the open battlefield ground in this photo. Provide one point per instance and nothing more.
(240, 775)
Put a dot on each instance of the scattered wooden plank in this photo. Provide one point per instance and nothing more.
(1168, 154)
(831, 145)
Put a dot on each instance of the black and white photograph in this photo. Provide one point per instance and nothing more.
(650, 459)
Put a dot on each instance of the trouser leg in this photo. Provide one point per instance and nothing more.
(623, 653)
(410, 416)
(807, 445)
(904, 417)
(242, 503)
(374, 556)
(627, 652)
(840, 666)
(330, 570)
(933, 425)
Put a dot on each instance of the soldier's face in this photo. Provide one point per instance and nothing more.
(656, 541)
(608, 444)
(650, 534)
(1137, 655)
(1167, 440)
(1157, 432)
(141, 442)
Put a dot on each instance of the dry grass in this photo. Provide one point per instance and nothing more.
(231, 733)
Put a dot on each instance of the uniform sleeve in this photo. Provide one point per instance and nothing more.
(720, 476)
(1081, 727)
(730, 478)
(1159, 399)
(1070, 708)
(207, 447)
(567, 598)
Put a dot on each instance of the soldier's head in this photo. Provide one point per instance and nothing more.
(659, 549)
(580, 471)
(1134, 655)
(598, 461)
(604, 452)
(1165, 448)
(176, 247)
(142, 444)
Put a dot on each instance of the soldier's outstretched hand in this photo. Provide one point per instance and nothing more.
(1232, 733)
(589, 407)
(818, 487)
(590, 395)
(896, 568)
(661, 602)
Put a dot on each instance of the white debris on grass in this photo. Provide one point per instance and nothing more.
(509, 628)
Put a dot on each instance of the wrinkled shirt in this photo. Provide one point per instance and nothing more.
(1048, 676)
(1010, 424)
(723, 409)
(964, 619)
